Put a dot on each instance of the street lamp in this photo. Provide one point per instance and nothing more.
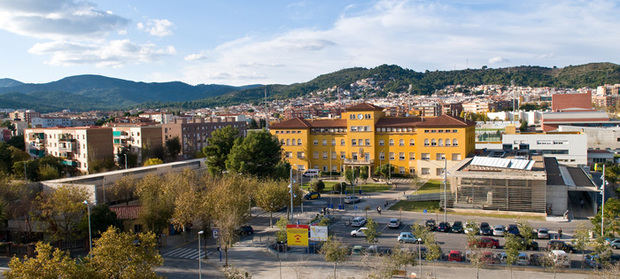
(199, 258)
(125, 160)
(90, 238)
(419, 257)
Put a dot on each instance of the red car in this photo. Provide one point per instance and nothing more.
(455, 256)
(488, 258)
(485, 242)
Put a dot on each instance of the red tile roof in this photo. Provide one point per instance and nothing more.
(444, 120)
(439, 122)
(293, 123)
(364, 107)
(328, 123)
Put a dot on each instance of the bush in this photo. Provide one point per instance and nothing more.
(340, 187)
(317, 185)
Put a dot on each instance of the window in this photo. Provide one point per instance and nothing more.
(301, 167)
(282, 141)
(412, 171)
(354, 156)
(367, 142)
(361, 142)
(440, 142)
(426, 156)
(391, 142)
(288, 154)
(401, 170)
(411, 142)
(353, 142)
(343, 155)
(440, 156)
(300, 155)
(426, 142)
(315, 142)
(324, 168)
(381, 142)
(334, 155)
(352, 116)
(381, 156)
(439, 171)
(454, 131)
(333, 142)
(324, 142)
(433, 142)
(298, 141)
(391, 155)
(288, 142)
(425, 171)
(293, 142)
(353, 128)
(401, 156)
(447, 142)
(342, 142)
(411, 155)
(401, 142)
(455, 142)
(315, 154)
(456, 156)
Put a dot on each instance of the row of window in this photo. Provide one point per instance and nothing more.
(441, 131)
(441, 142)
(423, 156)
(366, 156)
(360, 129)
(288, 132)
(327, 130)
(360, 116)
(401, 170)
(367, 142)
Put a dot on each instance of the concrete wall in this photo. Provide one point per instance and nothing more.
(557, 198)
(598, 137)
(575, 144)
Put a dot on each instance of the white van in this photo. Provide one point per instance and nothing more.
(312, 173)
(560, 258)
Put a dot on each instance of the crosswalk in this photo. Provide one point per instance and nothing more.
(185, 253)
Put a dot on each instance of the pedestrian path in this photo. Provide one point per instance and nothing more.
(184, 253)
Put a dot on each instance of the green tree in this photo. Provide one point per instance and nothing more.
(317, 185)
(612, 218)
(125, 255)
(602, 250)
(173, 148)
(352, 174)
(101, 218)
(335, 252)
(257, 154)
(420, 231)
(581, 240)
(399, 258)
(124, 189)
(271, 196)
(281, 233)
(371, 232)
(340, 187)
(513, 246)
(525, 229)
(433, 251)
(63, 209)
(156, 203)
(49, 263)
(220, 144)
(132, 158)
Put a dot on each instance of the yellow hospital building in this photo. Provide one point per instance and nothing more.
(365, 137)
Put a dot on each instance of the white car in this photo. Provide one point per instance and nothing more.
(359, 232)
(394, 223)
(312, 173)
(499, 230)
(542, 233)
(523, 259)
(560, 258)
(351, 199)
(358, 221)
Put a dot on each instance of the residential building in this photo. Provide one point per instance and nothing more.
(605, 101)
(23, 115)
(476, 107)
(78, 146)
(46, 122)
(137, 138)
(159, 117)
(568, 147)
(194, 133)
(365, 137)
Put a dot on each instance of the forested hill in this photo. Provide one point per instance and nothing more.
(393, 78)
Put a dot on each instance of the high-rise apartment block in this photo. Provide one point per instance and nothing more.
(194, 133)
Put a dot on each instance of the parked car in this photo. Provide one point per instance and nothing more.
(443, 227)
(560, 258)
(457, 227)
(245, 230)
(468, 228)
(455, 256)
(359, 232)
(394, 223)
(374, 249)
(501, 257)
(312, 196)
(485, 229)
(499, 230)
(560, 245)
(614, 243)
(533, 245)
(312, 173)
(358, 222)
(488, 258)
(543, 233)
(537, 259)
(523, 259)
(485, 242)
(430, 224)
(591, 260)
(407, 237)
(513, 229)
(351, 199)
(358, 250)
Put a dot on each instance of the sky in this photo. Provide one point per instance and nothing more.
(262, 42)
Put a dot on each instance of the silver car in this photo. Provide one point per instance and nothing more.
(499, 230)
(543, 233)
(358, 222)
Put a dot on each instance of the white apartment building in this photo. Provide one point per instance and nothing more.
(476, 107)
(569, 148)
(46, 122)
(159, 117)
(78, 146)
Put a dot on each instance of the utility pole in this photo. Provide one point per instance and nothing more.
(445, 195)
(291, 190)
(603, 204)
(266, 113)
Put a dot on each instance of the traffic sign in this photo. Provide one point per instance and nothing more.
(216, 233)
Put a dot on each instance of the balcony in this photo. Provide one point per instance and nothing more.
(69, 163)
(66, 147)
(359, 162)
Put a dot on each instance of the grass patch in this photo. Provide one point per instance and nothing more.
(431, 186)
(417, 206)
(366, 188)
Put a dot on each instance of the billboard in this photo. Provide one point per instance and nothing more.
(318, 233)
(297, 235)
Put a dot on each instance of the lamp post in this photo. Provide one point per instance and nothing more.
(199, 258)
(603, 203)
(90, 237)
(419, 257)
(125, 160)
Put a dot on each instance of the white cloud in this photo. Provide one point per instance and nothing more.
(497, 60)
(57, 19)
(157, 27)
(195, 57)
(114, 53)
(423, 35)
